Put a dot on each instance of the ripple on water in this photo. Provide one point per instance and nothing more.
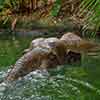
(41, 86)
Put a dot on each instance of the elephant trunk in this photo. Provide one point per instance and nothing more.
(27, 63)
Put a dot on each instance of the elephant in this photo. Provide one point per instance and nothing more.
(76, 44)
(38, 58)
(45, 53)
(52, 44)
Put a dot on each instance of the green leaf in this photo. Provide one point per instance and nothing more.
(56, 8)
(91, 10)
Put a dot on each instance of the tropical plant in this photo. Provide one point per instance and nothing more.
(90, 9)
(86, 12)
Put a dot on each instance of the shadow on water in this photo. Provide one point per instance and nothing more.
(67, 82)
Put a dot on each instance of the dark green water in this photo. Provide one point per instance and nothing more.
(71, 82)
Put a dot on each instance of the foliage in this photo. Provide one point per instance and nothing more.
(90, 9)
(87, 11)
(1, 4)
(56, 8)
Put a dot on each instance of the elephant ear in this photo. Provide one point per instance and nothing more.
(58, 49)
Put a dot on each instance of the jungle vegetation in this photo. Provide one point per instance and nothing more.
(83, 13)
(73, 82)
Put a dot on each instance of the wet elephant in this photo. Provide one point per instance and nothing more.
(52, 44)
(76, 44)
(37, 58)
(43, 55)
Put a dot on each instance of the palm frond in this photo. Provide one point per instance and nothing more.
(90, 9)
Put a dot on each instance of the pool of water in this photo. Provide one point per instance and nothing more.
(67, 82)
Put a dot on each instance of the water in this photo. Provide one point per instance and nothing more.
(67, 82)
